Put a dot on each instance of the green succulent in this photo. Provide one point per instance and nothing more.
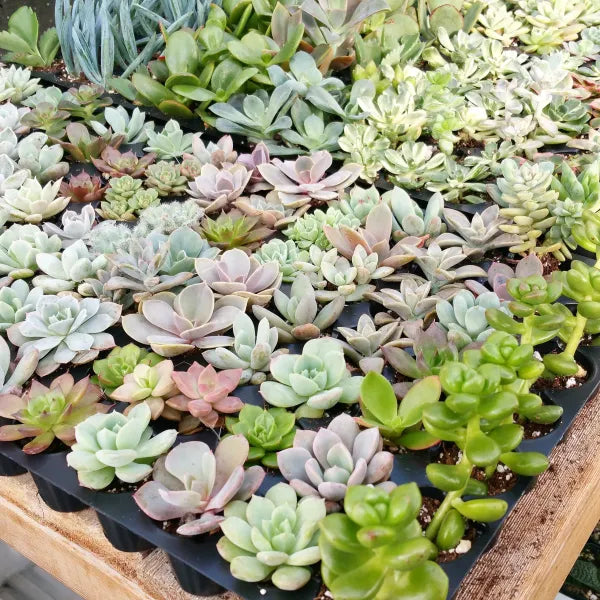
(285, 254)
(308, 229)
(267, 432)
(166, 178)
(234, 230)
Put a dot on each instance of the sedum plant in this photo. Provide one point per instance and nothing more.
(49, 413)
(121, 361)
(377, 549)
(326, 462)
(274, 537)
(16, 300)
(32, 203)
(313, 381)
(194, 485)
(173, 324)
(65, 330)
(267, 430)
(253, 349)
(117, 445)
(303, 319)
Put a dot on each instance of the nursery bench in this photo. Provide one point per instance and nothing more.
(531, 558)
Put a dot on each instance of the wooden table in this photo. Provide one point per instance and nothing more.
(531, 558)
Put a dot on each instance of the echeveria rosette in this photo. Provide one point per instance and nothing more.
(110, 371)
(65, 330)
(314, 381)
(377, 549)
(117, 445)
(33, 203)
(267, 432)
(151, 385)
(194, 484)
(274, 537)
(204, 395)
(14, 375)
(45, 413)
(326, 462)
(16, 301)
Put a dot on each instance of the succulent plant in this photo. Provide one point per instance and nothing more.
(301, 181)
(204, 394)
(50, 95)
(303, 319)
(279, 545)
(75, 226)
(43, 162)
(363, 548)
(65, 330)
(217, 187)
(364, 344)
(113, 163)
(269, 209)
(81, 145)
(313, 381)
(166, 179)
(412, 164)
(252, 350)
(83, 188)
(267, 430)
(366, 146)
(324, 463)
(19, 245)
(125, 198)
(48, 118)
(64, 273)
(173, 324)
(218, 154)
(150, 384)
(10, 118)
(234, 272)
(8, 143)
(190, 168)
(46, 413)
(10, 176)
(207, 481)
(284, 253)
(16, 84)
(33, 203)
(132, 127)
(14, 375)
(358, 202)
(410, 220)
(122, 360)
(258, 156)
(108, 237)
(166, 218)
(234, 230)
(524, 194)
(122, 188)
(16, 300)
(117, 445)
(169, 143)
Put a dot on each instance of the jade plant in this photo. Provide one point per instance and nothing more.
(194, 485)
(115, 445)
(273, 538)
(49, 413)
(313, 381)
(267, 430)
(377, 548)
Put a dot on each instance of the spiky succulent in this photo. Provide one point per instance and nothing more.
(252, 350)
(98, 457)
(33, 203)
(285, 536)
(324, 463)
(116, 164)
(46, 413)
(65, 330)
(234, 230)
(313, 381)
(166, 178)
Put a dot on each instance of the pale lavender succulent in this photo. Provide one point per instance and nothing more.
(299, 181)
(193, 484)
(258, 156)
(326, 462)
(234, 272)
(215, 188)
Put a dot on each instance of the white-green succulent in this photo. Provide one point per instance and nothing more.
(32, 203)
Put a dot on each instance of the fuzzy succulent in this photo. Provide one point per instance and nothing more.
(117, 445)
(83, 188)
(303, 180)
(302, 319)
(46, 413)
(19, 246)
(274, 537)
(267, 430)
(65, 330)
(194, 485)
(216, 188)
(313, 381)
(235, 230)
(235, 273)
(32, 203)
(166, 178)
(326, 462)
(166, 218)
(16, 300)
(173, 324)
(113, 163)
(252, 350)
(204, 394)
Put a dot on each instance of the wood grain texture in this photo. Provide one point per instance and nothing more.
(531, 558)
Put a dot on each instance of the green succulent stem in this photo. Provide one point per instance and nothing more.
(576, 335)
(451, 497)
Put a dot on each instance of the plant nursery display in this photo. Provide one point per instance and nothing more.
(303, 293)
